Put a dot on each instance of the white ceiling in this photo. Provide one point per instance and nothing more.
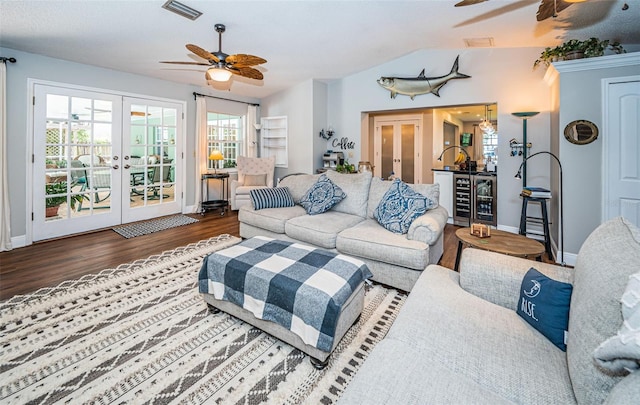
(300, 39)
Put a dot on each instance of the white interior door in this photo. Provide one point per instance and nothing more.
(76, 175)
(151, 151)
(621, 150)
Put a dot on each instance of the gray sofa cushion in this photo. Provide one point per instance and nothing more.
(272, 219)
(298, 184)
(606, 260)
(370, 240)
(481, 342)
(395, 374)
(320, 230)
(379, 187)
(356, 187)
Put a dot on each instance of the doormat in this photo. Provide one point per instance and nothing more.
(154, 225)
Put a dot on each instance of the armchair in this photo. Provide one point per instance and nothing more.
(253, 173)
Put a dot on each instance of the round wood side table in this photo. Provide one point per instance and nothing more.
(503, 242)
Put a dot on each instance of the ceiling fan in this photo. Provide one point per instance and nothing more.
(548, 8)
(222, 65)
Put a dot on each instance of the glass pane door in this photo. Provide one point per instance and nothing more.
(151, 141)
(407, 159)
(76, 148)
(395, 149)
(386, 151)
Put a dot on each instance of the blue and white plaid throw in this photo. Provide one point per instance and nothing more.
(300, 287)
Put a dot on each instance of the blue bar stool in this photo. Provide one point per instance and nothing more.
(544, 220)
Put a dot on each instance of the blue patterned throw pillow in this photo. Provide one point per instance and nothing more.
(544, 304)
(399, 206)
(322, 196)
(276, 197)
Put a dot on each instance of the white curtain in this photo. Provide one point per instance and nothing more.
(201, 147)
(5, 224)
(250, 148)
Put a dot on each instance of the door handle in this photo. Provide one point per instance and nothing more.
(116, 167)
(115, 157)
(126, 157)
(127, 166)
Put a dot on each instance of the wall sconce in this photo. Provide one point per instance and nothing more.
(328, 134)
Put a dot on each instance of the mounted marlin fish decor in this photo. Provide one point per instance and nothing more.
(412, 86)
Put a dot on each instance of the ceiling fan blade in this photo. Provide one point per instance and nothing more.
(186, 63)
(249, 72)
(245, 60)
(550, 8)
(202, 53)
(468, 3)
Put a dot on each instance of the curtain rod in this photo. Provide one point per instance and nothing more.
(5, 60)
(222, 98)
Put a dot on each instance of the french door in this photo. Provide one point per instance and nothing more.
(396, 148)
(150, 156)
(101, 159)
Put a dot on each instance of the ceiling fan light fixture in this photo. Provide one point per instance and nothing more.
(181, 9)
(219, 74)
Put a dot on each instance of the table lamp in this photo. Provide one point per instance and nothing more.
(215, 156)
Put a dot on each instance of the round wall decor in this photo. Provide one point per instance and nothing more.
(581, 132)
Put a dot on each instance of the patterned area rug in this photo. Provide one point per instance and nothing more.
(141, 333)
(153, 225)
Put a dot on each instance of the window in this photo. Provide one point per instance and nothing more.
(490, 146)
(224, 133)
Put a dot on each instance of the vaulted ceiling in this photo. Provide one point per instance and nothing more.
(299, 39)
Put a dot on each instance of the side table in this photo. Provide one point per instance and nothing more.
(500, 242)
(205, 203)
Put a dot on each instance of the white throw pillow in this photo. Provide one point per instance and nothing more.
(621, 353)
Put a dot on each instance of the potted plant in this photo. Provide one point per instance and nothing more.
(53, 203)
(346, 167)
(576, 49)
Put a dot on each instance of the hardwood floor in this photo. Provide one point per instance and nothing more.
(49, 263)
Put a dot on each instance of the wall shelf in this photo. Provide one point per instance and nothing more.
(274, 139)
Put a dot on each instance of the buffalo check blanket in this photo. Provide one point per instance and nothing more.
(299, 287)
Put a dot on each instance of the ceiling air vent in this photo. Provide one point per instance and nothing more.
(479, 42)
(181, 9)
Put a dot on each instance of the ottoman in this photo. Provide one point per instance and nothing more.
(305, 296)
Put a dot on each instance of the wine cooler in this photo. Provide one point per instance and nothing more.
(475, 197)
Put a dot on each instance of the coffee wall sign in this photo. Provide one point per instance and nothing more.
(343, 143)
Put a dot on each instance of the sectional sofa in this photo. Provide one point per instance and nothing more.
(350, 228)
(459, 340)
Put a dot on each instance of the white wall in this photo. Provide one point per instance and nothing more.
(320, 113)
(297, 104)
(504, 76)
(31, 66)
(579, 93)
